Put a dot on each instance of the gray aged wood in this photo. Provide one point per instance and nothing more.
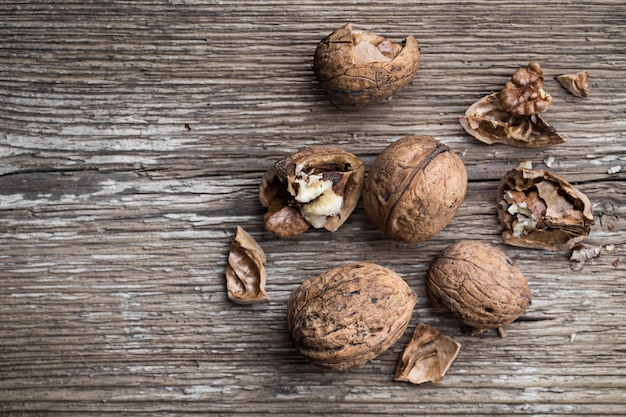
(133, 136)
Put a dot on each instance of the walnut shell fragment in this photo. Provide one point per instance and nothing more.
(360, 68)
(245, 271)
(511, 116)
(479, 284)
(539, 209)
(349, 314)
(427, 357)
(414, 188)
(316, 186)
(577, 84)
(487, 121)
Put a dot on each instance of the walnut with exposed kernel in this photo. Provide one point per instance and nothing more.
(539, 209)
(360, 68)
(414, 188)
(349, 314)
(511, 116)
(479, 284)
(318, 186)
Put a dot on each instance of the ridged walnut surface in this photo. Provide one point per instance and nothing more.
(347, 80)
(479, 284)
(414, 188)
(350, 314)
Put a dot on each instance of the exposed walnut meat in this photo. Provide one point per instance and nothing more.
(349, 314)
(427, 356)
(524, 93)
(360, 68)
(539, 209)
(316, 186)
(577, 84)
(245, 271)
(487, 121)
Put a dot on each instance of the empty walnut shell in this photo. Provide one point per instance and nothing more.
(487, 121)
(414, 188)
(318, 186)
(577, 84)
(427, 356)
(350, 314)
(479, 284)
(245, 271)
(539, 209)
(360, 68)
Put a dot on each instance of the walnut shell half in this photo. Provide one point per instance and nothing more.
(479, 284)
(350, 314)
(414, 188)
(317, 186)
(427, 356)
(487, 121)
(245, 271)
(360, 68)
(539, 209)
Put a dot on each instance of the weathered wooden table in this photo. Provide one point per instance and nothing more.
(133, 138)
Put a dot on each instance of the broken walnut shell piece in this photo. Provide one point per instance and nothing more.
(524, 94)
(359, 68)
(577, 84)
(427, 357)
(539, 209)
(479, 284)
(245, 271)
(487, 121)
(350, 314)
(318, 186)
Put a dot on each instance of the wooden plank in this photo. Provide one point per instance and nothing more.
(133, 136)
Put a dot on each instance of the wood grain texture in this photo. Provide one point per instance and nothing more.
(133, 136)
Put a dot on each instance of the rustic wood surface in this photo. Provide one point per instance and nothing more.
(133, 136)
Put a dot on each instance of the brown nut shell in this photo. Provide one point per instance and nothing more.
(487, 121)
(479, 284)
(414, 188)
(427, 356)
(577, 84)
(245, 271)
(350, 314)
(539, 209)
(359, 68)
(280, 187)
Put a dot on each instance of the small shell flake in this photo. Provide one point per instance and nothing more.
(245, 271)
(427, 356)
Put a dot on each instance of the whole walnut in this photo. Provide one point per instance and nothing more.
(360, 68)
(349, 315)
(414, 188)
(479, 284)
